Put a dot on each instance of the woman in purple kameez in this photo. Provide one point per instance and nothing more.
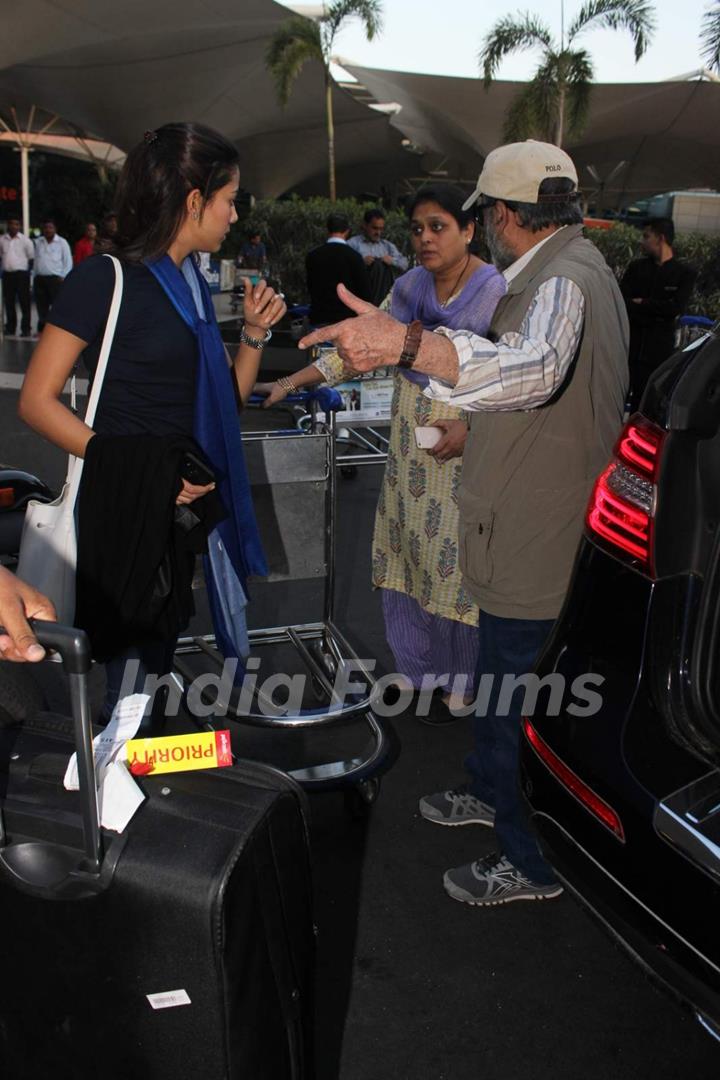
(430, 619)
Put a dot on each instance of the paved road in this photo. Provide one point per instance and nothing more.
(412, 985)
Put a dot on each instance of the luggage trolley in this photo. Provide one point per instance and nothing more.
(689, 328)
(292, 475)
(365, 408)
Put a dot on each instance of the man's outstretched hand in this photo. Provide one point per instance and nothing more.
(371, 340)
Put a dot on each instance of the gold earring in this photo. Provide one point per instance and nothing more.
(196, 215)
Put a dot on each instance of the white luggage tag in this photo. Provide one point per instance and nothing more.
(119, 797)
(123, 725)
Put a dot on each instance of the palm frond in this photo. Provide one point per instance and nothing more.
(710, 38)
(547, 85)
(294, 43)
(579, 76)
(506, 36)
(369, 12)
(521, 120)
(637, 16)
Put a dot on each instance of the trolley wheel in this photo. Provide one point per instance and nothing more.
(330, 664)
(360, 798)
(317, 688)
(325, 658)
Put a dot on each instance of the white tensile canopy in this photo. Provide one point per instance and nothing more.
(667, 133)
(113, 70)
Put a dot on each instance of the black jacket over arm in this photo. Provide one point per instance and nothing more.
(135, 563)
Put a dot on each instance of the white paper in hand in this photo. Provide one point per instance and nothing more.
(123, 725)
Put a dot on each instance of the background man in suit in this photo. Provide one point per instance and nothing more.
(332, 263)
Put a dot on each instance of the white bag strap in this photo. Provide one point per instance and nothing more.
(75, 464)
(107, 342)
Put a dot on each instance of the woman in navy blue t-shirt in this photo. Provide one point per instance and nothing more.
(176, 197)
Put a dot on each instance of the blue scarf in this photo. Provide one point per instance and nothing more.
(217, 431)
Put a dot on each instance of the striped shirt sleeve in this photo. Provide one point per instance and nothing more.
(523, 369)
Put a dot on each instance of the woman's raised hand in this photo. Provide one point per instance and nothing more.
(262, 308)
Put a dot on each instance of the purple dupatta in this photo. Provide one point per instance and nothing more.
(414, 297)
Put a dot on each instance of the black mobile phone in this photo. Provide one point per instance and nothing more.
(195, 471)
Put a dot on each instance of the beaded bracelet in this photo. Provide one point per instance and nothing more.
(286, 383)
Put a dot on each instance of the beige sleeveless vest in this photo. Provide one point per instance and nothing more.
(527, 475)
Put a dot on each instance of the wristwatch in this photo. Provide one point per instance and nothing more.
(413, 337)
(253, 342)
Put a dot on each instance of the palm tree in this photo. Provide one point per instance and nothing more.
(710, 38)
(555, 102)
(298, 40)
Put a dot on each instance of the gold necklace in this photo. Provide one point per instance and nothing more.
(450, 295)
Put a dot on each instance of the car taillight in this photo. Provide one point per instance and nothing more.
(623, 503)
(570, 780)
(7, 497)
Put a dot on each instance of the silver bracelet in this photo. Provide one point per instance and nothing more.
(255, 343)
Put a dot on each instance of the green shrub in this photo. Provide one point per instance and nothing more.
(620, 244)
(292, 227)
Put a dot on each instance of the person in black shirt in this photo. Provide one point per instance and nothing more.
(657, 290)
(329, 265)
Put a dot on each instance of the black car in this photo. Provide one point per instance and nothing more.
(625, 792)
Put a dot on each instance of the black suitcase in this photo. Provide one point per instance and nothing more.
(182, 947)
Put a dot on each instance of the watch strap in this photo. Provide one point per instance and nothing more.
(255, 343)
(413, 337)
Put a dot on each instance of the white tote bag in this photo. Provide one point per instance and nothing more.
(48, 547)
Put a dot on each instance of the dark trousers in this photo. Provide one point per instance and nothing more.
(16, 290)
(650, 346)
(47, 287)
(154, 658)
(507, 647)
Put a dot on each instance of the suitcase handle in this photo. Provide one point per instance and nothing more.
(73, 645)
(48, 867)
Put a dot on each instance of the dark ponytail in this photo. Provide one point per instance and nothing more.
(158, 175)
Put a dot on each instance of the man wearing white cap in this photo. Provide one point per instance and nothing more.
(545, 393)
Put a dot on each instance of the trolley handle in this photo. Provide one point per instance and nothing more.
(327, 398)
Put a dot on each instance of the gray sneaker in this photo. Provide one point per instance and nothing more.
(456, 807)
(494, 880)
